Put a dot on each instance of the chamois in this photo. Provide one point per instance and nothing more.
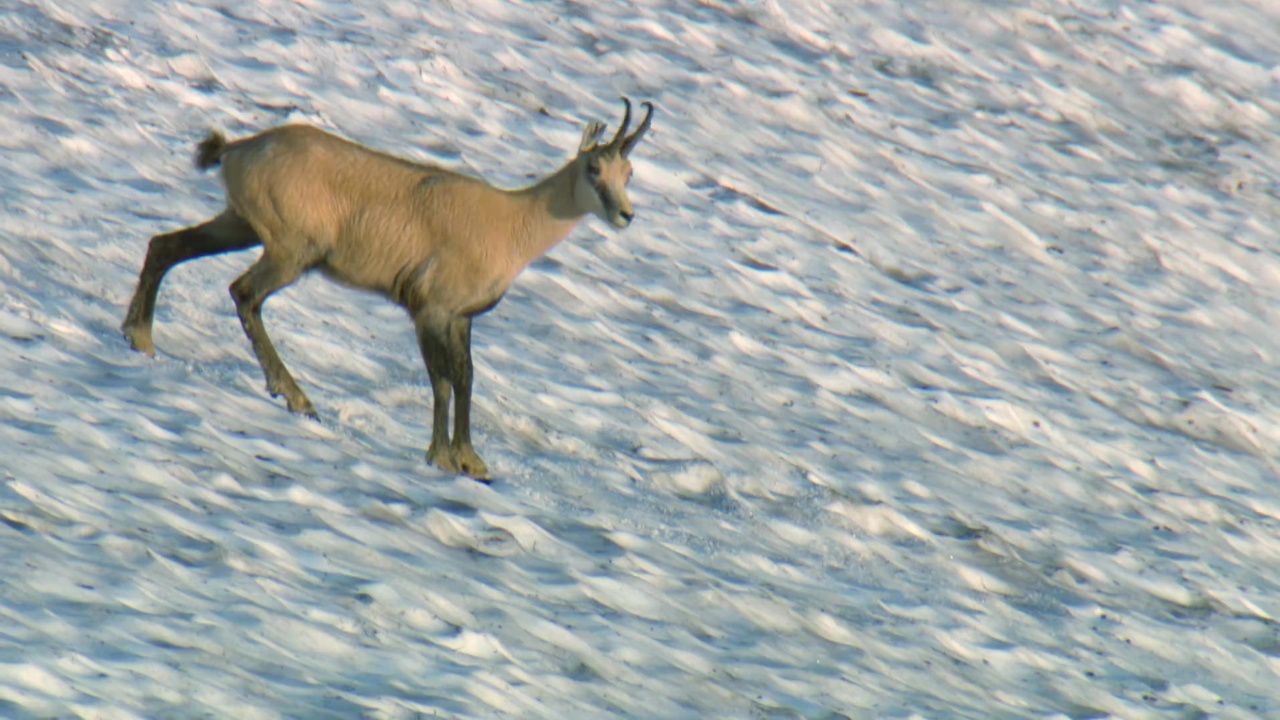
(443, 245)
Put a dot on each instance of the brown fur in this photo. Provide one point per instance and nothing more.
(444, 245)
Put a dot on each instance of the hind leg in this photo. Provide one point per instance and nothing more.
(249, 291)
(225, 233)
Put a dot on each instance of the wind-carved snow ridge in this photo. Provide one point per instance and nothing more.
(935, 378)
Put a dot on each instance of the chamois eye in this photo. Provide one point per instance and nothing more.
(593, 170)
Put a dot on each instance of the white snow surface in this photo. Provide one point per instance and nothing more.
(937, 376)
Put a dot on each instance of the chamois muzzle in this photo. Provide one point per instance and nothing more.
(621, 219)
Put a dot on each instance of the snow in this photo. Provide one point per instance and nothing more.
(935, 378)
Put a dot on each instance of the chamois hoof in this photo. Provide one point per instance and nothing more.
(459, 460)
(442, 457)
(300, 405)
(470, 464)
(139, 339)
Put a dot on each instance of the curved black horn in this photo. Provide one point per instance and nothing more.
(640, 131)
(622, 129)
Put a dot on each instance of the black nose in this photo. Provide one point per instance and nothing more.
(627, 216)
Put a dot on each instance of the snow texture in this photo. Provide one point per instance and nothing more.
(937, 376)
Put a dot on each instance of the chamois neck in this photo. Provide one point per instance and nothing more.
(554, 194)
(551, 211)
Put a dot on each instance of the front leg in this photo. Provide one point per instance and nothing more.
(466, 457)
(446, 348)
(434, 353)
(441, 453)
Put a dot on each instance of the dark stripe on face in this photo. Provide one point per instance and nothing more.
(609, 205)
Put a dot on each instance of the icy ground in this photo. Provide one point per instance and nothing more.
(936, 378)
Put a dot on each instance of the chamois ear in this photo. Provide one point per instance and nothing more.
(590, 136)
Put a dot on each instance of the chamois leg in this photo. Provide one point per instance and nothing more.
(461, 372)
(224, 233)
(446, 347)
(431, 343)
(249, 291)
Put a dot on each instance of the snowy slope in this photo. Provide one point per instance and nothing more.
(936, 377)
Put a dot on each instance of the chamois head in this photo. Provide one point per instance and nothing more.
(604, 170)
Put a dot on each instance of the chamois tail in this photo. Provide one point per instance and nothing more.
(209, 151)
